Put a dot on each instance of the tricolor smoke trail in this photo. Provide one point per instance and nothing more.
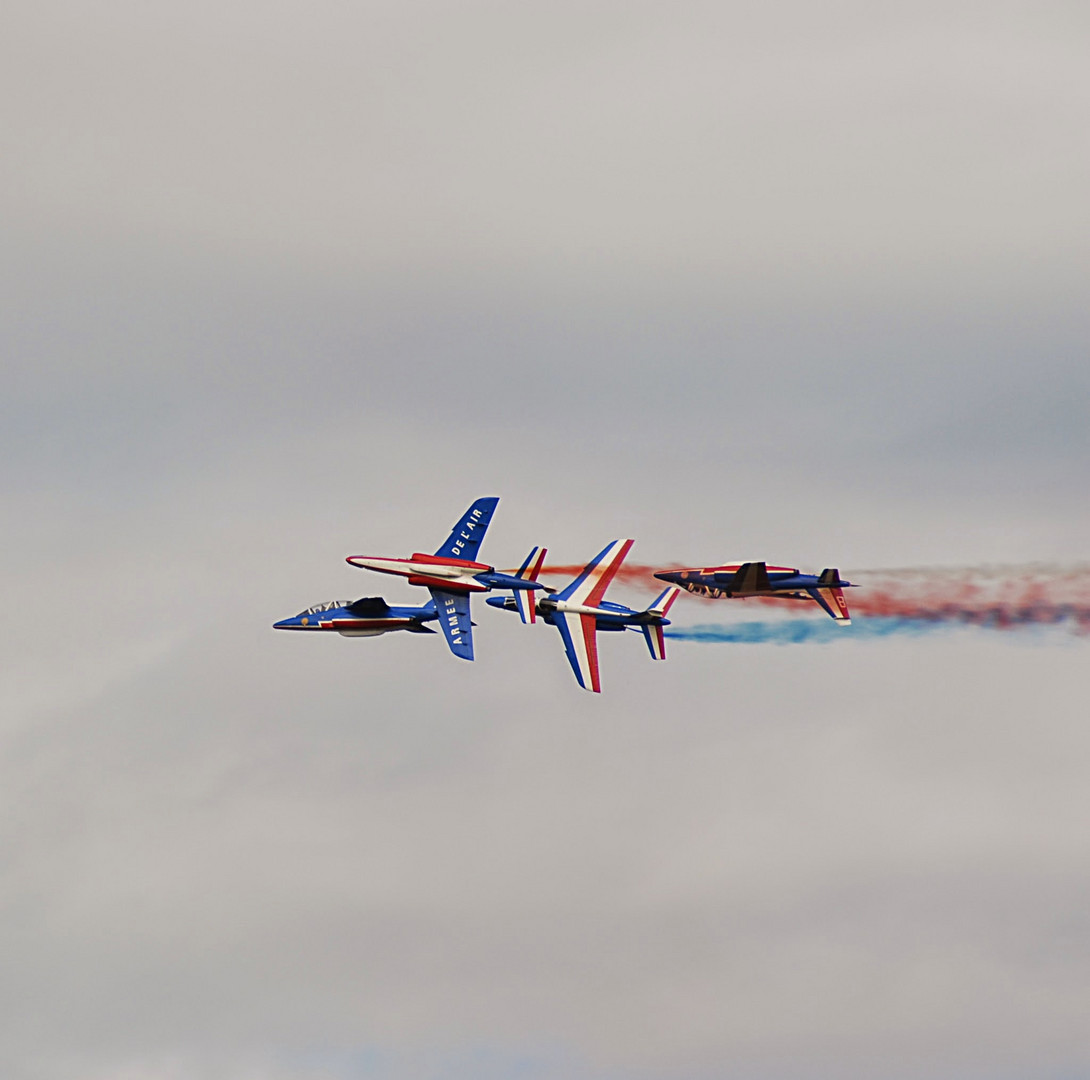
(798, 631)
(897, 602)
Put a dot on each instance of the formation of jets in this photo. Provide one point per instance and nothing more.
(579, 611)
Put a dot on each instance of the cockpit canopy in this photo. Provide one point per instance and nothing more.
(365, 606)
(328, 606)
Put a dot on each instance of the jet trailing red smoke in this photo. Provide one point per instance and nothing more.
(1002, 597)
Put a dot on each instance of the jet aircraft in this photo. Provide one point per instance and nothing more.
(579, 611)
(760, 579)
(452, 574)
(366, 617)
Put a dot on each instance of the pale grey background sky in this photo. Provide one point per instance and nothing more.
(288, 282)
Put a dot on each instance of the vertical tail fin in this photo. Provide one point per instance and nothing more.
(525, 599)
(751, 577)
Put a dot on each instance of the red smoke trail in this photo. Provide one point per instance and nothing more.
(1003, 597)
(999, 597)
(629, 573)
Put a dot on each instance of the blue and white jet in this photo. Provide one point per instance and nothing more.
(367, 617)
(579, 611)
(452, 574)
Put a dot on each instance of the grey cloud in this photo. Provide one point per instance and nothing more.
(237, 856)
(583, 141)
(287, 284)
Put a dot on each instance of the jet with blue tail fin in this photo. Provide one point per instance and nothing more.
(453, 574)
(743, 579)
(580, 611)
(523, 599)
(367, 617)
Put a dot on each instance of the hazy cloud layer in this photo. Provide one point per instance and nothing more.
(289, 283)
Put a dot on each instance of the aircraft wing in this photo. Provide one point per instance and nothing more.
(466, 536)
(581, 644)
(590, 586)
(453, 608)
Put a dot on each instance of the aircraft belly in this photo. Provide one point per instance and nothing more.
(368, 628)
(460, 585)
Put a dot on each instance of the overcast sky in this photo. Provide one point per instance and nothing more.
(284, 283)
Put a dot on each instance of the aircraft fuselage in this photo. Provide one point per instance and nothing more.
(368, 617)
(742, 580)
(437, 572)
(607, 615)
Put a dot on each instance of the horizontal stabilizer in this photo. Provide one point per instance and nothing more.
(663, 602)
(830, 578)
(656, 640)
(531, 565)
(526, 603)
(833, 603)
(525, 600)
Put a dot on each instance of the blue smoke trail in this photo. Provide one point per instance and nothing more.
(801, 631)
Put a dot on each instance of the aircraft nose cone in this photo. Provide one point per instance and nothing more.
(284, 624)
(669, 575)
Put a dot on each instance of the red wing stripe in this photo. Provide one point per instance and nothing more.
(602, 583)
(588, 624)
